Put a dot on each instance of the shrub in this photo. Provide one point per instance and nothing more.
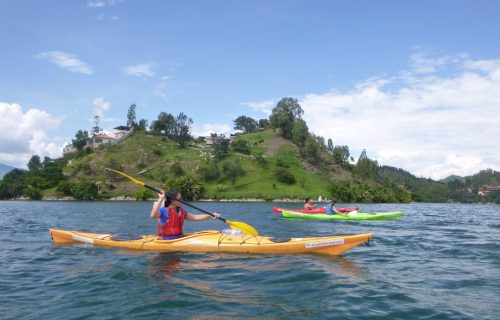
(241, 146)
(209, 170)
(232, 170)
(283, 175)
(176, 169)
(189, 186)
(143, 195)
(66, 188)
(261, 161)
(85, 191)
(33, 193)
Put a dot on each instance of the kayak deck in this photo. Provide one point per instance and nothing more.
(317, 210)
(357, 216)
(213, 240)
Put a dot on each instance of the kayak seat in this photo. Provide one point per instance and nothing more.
(279, 240)
(125, 237)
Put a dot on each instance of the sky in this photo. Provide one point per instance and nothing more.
(415, 83)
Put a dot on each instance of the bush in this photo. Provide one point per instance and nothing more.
(283, 175)
(241, 146)
(232, 170)
(189, 186)
(33, 193)
(66, 188)
(176, 169)
(143, 195)
(261, 161)
(85, 191)
(209, 171)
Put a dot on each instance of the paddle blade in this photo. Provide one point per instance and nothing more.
(243, 227)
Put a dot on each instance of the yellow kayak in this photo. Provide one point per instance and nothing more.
(213, 240)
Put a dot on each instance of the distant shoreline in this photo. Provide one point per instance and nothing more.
(133, 199)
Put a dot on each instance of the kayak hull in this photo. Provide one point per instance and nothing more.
(317, 210)
(357, 216)
(212, 240)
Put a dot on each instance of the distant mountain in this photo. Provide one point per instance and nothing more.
(4, 169)
(451, 178)
(483, 177)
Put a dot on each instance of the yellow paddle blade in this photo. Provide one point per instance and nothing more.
(243, 227)
(127, 176)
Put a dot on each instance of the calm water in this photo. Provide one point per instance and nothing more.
(439, 261)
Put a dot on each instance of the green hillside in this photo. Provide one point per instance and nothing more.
(157, 160)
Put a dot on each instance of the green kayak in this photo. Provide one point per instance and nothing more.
(350, 216)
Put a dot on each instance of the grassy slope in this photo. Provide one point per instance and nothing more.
(155, 156)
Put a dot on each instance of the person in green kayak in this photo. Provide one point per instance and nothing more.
(331, 208)
(309, 204)
(171, 216)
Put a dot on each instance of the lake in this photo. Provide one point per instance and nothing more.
(439, 261)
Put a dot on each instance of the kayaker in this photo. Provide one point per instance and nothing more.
(331, 208)
(309, 204)
(170, 218)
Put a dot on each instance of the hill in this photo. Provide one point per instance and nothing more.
(451, 178)
(270, 168)
(4, 169)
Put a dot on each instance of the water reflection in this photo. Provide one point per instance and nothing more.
(166, 263)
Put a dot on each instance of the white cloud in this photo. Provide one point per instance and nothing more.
(141, 70)
(66, 61)
(432, 125)
(102, 17)
(100, 107)
(264, 106)
(160, 89)
(209, 128)
(24, 134)
(102, 3)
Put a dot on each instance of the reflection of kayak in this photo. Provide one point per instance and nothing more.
(348, 216)
(317, 210)
(213, 240)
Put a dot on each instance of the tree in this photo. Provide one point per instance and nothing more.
(232, 170)
(365, 168)
(245, 123)
(209, 170)
(329, 147)
(131, 116)
(284, 114)
(34, 164)
(96, 129)
(300, 132)
(165, 124)
(142, 125)
(81, 139)
(310, 151)
(220, 145)
(264, 123)
(341, 155)
(182, 130)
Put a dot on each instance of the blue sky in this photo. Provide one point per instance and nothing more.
(415, 83)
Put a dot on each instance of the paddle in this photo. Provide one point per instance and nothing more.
(237, 225)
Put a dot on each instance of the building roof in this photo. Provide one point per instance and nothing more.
(104, 136)
(125, 128)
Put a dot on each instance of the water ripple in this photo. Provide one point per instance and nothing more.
(439, 261)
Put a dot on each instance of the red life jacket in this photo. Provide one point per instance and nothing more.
(174, 224)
